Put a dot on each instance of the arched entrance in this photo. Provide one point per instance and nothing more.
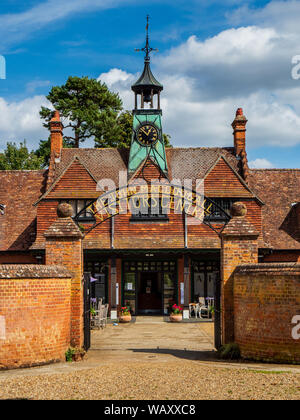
(148, 287)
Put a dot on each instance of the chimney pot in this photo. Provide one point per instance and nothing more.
(56, 130)
(239, 131)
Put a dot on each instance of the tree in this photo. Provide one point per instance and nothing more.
(121, 134)
(90, 110)
(88, 106)
(18, 158)
(44, 150)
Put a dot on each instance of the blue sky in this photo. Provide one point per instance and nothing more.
(215, 56)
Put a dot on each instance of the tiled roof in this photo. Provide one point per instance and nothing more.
(64, 227)
(18, 191)
(239, 226)
(279, 189)
(183, 163)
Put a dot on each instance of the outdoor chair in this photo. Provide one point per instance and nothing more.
(203, 308)
(100, 318)
(194, 307)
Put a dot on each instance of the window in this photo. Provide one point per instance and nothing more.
(150, 209)
(218, 205)
(79, 205)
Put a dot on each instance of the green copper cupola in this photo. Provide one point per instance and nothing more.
(147, 137)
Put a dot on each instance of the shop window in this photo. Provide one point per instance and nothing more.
(205, 276)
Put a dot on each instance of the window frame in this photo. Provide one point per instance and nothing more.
(83, 218)
(150, 217)
(219, 201)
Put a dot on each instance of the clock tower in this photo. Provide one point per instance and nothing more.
(147, 136)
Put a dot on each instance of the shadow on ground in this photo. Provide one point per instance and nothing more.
(182, 354)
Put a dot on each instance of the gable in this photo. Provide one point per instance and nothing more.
(148, 170)
(75, 182)
(222, 181)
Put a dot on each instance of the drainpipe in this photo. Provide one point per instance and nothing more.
(185, 231)
(112, 232)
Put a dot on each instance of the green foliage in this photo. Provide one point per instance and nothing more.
(19, 158)
(72, 351)
(44, 151)
(89, 108)
(230, 351)
(167, 139)
(117, 134)
(211, 309)
(120, 134)
(69, 354)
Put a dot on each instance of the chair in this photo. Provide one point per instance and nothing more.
(194, 307)
(203, 307)
(105, 315)
(100, 318)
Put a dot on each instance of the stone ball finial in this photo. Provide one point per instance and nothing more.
(238, 209)
(64, 210)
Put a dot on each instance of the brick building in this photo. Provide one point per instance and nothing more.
(149, 259)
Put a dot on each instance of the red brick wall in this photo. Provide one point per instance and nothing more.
(77, 183)
(35, 307)
(266, 298)
(68, 252)
(234, 251)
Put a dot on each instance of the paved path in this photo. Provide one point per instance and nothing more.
(151, 338)
(151, 359)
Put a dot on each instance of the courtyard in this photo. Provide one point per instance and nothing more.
(152, 359)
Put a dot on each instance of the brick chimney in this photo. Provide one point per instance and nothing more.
(56, 135)
(56, 143)
(239, 131)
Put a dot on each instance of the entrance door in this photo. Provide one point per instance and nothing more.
(149, 293)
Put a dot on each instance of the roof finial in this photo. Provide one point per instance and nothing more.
(147, 49)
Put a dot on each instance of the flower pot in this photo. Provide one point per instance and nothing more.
(77, 357)
(176, 317)
(125, 318)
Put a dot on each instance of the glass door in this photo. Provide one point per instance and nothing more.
(169, 291)
(130, 291)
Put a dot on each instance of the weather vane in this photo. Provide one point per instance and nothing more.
(147, 49)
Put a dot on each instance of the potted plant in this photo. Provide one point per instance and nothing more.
(125, 315)
(75, 354)
(176, 314)
(212, 312)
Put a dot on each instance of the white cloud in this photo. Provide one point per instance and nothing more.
(283, 15)
(193, 121)
(261, 164)
(21, 120)
(15, 27)
(206, 81)
(32, 86)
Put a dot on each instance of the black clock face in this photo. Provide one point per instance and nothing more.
(147, 134)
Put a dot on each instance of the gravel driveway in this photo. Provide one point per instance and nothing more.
(152, 360)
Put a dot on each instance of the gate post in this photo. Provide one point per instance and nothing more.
(238, 246)
(64, 247)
